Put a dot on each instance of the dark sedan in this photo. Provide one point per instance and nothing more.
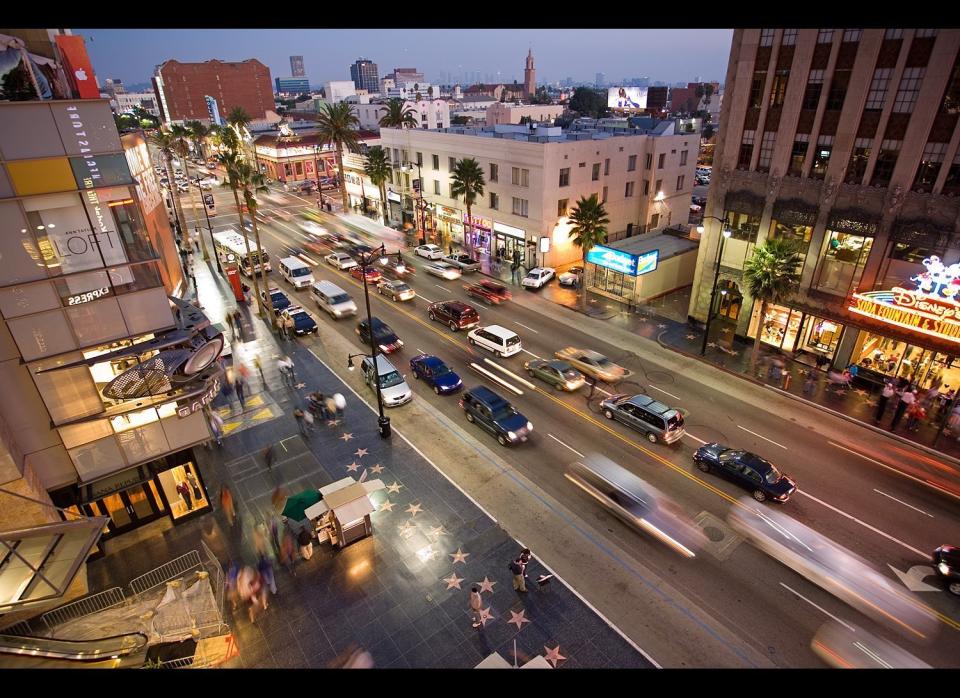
(432, 371)
(748, 470)
(385, 337)
(946, 560)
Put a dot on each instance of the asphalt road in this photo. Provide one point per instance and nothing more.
(845, 490)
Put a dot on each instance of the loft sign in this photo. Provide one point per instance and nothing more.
(201, 401)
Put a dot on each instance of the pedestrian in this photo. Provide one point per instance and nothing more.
(260, 539)
(340, 403)
(810, 384)
(285, 364)
(249, 585)
(888, 392)
(953, 422)
(216, 426)
(289, 327)
(907, 399)
(238, 387)
(306, 543)
(476, 604)
(930, 396)
(190, 258)
(288, 550)
(266, 572)
(282, 327)
(916, 413)
(268, 456)
(233, 574)
(226, 503)
(330, 407)
(298, 415)
(593, 386)
(308, 422)
(315, 405)
(259, 367)
(516, 567)
(196, 246)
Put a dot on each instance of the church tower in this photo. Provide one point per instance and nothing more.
(529, 78)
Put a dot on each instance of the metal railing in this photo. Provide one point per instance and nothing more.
(84, 607)
(21, 628)
(216, 580)
(165, 572)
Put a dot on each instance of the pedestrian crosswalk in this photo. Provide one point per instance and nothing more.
(258, 408)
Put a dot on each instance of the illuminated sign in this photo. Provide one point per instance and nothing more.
(393, 196)
(88, 296)
(623, 262)
(479, 222)
(201, 401)
(509, 231)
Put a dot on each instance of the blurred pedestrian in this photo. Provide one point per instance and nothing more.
(257, 365)
(279, 497)
(330, 407)
(298, 415)
(288, 550)
(260, 543)
(289, 327)
(268, 456)
(308, 422)
(226, 503)
(592, 381)
(306, 543)
(265, 568)
(282, 327)
(888, 392)
(476, 604)
(341, 404)
(810, 384)
(916, 413)
(953, 422)
(907, 399)
(216, 425)
(238, 387)
(233, 573)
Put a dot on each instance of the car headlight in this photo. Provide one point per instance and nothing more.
(399, 343)
(512, 436)
(572, 384)
(944, 568)
(384, 348)
(338, 312)
(529, 426)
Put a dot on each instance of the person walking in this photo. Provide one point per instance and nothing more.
(916, 413)
(888, 392)
(810, 384)
(268, 456)
(282, 327)
(226, 503)
(516, 567)
(907, 399)
(330, 407)
(238, 387)
(340, 403)
(592, 381)
(476, 604)
(233, 574)
(216, 425)
(306, 544)
(289, 327)
(298, 415)
(265, 568)
(308, 422)
(259, 367)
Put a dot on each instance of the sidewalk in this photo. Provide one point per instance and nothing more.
(401, 594)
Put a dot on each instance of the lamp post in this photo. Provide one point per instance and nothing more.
(316, 171)
(383, 422)
(418, 213)
(716, 278)
(206, 214)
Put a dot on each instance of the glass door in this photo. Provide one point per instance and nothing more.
(128, 509)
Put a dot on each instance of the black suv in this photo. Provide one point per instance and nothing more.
(387, 339)
(496, 415)
(454, 314)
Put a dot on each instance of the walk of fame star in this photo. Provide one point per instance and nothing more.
(553, 655)
(386, 506)
(413, 509)
(333, 422)
(406, 529)
(395, 487)
(459, 556)
(453, 581)
(353, 467)
(518, 618)
(486, 585)
(360, 452)
(346, 436)
(691, 336)
(377, 469)
(301, 386)
(485, 616)
(438, 531)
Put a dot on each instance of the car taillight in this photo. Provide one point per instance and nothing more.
(460, 402)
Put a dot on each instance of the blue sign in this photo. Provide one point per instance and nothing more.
(623, 262)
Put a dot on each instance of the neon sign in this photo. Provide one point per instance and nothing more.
(623, 262)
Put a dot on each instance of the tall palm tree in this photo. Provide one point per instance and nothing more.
(336, 124)
(377, 168)
(467, 183)
(181, 136)
(771, 274)
(198, 134)
(238, 120)
(163, 141)
(398, 116)
(589, 220)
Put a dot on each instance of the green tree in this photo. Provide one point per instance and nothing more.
(398, 116)
(459, 120)
(589, 220)
(430, 92)
(771, 275)
(164, 142)
(17, 85)
(336, 124)
(377, 168)
(541, 96)
(467, 183)
(589, 102)
(181, 137)
(145, 118)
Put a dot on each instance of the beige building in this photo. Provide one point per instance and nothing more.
(503, 113)
(846, 141)
(429, 113)
(534, 177)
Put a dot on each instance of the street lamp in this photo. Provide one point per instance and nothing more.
(206, 214)
(419, 211)
(316, 171)
(364, 260)
(716, 277)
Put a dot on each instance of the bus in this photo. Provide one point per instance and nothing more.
(230, 242)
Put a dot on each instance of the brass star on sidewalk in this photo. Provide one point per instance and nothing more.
(691, 336)
(459, 556)
(346, 436)
(453, 581)
(377, 469)
(413, 509)
(406, 529)
(438, 531)
(661, 326)
(553, 655)
(486, 585)
(386, 506)
(360, 452)
(353, 467)
(518, 619)
(333, 422)
(395, 487)
(712, 345)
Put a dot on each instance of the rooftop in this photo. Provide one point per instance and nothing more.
(581, 130)
(669, 244)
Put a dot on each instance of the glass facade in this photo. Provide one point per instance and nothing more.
(842, 261)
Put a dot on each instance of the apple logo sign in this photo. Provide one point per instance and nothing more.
(81, 74)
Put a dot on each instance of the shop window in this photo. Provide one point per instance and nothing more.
(844, 257)
(183, 489)
(820, 335)
(743, 226)
(780, 326)
(799, 234)
(730, 300)
(859, 157)
(881, 354)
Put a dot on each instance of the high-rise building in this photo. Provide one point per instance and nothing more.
(529, 77)
(846, 142)
(296, 67)
(182, 88)
(292, 86)
(365, 75)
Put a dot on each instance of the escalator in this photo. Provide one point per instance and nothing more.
(28, 651)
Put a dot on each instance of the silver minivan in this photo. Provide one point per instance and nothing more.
(393, 386)
(333, 299)
(296, 271)
(641, 412)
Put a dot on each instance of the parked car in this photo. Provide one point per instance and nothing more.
(393, 387)
(538, 277)
(278, 299)
(397, 290)
(571, 277)
(430, 252)
(746, 469)
(490, 292)
(303, 323)
(386, 338)
(357, 272)
(341, 260)
(484, 407)
(432, 371)
(464, 261)
(443, 270)
(593, 364)
(455, 314)
(644, 414)
(497, 339)
(559, 374)
(946, 561)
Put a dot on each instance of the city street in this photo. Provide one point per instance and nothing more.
(848, 489)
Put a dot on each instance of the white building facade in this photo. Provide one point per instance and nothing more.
(338, 90)
(430, 113)
(124, 102)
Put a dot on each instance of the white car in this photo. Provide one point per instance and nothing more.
(429, 251)
(341, 260)
(538, 277)
(442, 269)
(571, 277)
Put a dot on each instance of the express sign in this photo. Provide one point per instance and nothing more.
(623, 262)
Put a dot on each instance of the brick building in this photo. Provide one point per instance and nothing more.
(183, 87)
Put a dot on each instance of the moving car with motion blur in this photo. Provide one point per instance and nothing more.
(484, 407)
(538, 277)
(393, 388)
(946, 561)
(641, 412)
(557, 373)
(593, 364)
(432, 371)
(443, 270)
(397, 290)
(454, 314)
(431, 252)
(357, 272)
(395, 268)
(748, 470)
(303, 323)
(386, 338)
(490, 292)
(847, 646)
(464, 261)
(341, 260)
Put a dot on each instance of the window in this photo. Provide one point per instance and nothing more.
(565, 177)
(798, 155)
(893, 34)
(452, 195)
(798, 233)
(838, 89)
(520, 207)
(658, 187)
(582, 164)
(494, 172)
(648, 163)
(841, 266)
(683, 157)
(951, 96)
(852, 34)
(766, 151)
(821, 157)
(952, 184)
(646, 187)
(789, 37)
(606, 167)
(603, 197)
(746, 151)
(654, 221)
(420, 159)
(494, 201)
(779, 87)
(926, 33)
(680, 182)
(878, 89)
(520, 177)
(811, 97)
(661, 160)
(628, 191)
(858, 161)
(886, 161)
(562, 206)
(436, 186)
(908, 91)
(825, 36)
(406, 157)
(396, 157)
(743, 226)
(595, 175)
(631, 163)
(929, 167)
(766, 37)
(436, 162)
(756, 89)
(452, 162)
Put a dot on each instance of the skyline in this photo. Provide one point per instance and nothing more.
(132, 54)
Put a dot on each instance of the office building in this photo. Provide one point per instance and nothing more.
(365, 76)
(508, 113)
(296, 67)
(338, 90)
(124, 102)
(183, 87)
(292, 86)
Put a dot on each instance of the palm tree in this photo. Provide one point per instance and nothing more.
(238, 120)
(336, 124)
(141, 115)
(467, 182)
(377, 168)
(398, 116)
(198, 134)
(589, 219)
(181, 136)
(771, 274)
(163, 141)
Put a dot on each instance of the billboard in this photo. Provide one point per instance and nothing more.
(627, 97)
(78, 66)
(623, 262)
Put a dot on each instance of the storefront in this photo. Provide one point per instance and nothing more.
(640, 268)
(477, 232)
(795, 331)
(394, 204)
(449, 222)
(508, 242)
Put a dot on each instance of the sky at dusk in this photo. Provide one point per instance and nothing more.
(670, 55)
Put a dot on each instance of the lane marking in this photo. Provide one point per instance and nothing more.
(443, 288)
(763, 437)
(895, 470)
(922, 554)
(563, 444)
(531, 353)
(700, 441)
(421, 350)
(480, 369)
(819, 608)
(607, 393)
(513, 375)
(522, 325)
(664, 391)
(420, 295)
(902, 502)
(306, 259)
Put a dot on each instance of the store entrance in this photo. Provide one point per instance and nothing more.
(128, 508)
(611, 281)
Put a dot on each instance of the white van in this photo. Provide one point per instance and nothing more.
(296, 271)
(333, 299)
(499, 340)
